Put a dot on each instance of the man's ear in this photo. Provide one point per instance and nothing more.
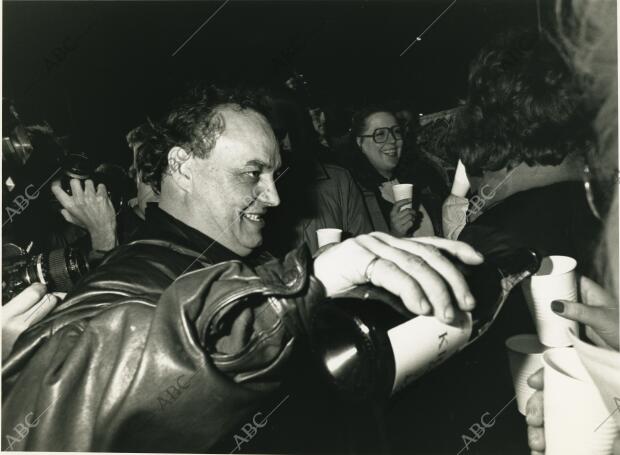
(358, 140)
(178, 167)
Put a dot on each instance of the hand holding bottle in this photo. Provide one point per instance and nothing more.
(413, 269)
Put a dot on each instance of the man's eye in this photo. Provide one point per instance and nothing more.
(253, 174)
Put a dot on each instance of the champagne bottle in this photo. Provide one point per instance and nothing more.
(369, 345)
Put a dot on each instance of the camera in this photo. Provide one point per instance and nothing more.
(58, 269)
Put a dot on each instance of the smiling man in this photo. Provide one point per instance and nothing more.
(227, 195)
(178, 338)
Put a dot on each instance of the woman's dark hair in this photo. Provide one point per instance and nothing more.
(359, 125)
(192, 123)
(523, 106)
(359, 117)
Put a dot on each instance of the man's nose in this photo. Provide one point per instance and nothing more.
(269, 195)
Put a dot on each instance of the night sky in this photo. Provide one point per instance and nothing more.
(96, 69)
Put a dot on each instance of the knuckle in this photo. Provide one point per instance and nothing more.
(433, 251)
(415, 262)
(442, 296)
(577, 311)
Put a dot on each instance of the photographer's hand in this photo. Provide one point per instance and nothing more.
(91, 210)
(22, 311)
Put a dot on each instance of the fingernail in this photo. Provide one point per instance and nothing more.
(470, 302)
(448, 314)
(480, 256)
(425, 306)
(557, 306)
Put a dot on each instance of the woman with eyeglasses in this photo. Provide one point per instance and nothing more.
(378, 160)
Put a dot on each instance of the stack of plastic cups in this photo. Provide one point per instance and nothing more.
(555, 280)
(576, 419)
(525, 358)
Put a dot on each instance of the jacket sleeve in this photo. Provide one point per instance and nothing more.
(166, 375)
(454, 216)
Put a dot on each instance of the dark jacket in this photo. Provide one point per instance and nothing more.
(553, 219)
(324, 196)
(171, 343)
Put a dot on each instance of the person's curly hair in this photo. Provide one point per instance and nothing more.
(193, 123)
(523, 106)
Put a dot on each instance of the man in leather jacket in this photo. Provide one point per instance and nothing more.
(177, 338)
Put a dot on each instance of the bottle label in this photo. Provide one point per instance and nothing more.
(424, 342)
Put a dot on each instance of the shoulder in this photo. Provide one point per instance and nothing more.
(140, 269)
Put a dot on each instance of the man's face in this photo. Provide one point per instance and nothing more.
(145, 193)
(234, 186)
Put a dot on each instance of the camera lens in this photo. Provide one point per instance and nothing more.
(65, 267)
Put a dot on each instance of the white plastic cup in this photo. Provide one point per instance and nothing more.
(327, 236)
(525, 358)
(403, 191)
(555, 280)
(576, 419)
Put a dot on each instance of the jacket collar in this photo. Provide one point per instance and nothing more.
(495, 186)
(163, 226)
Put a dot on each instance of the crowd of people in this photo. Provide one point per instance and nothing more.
(209, 274)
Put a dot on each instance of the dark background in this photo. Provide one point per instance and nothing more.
(96, 69)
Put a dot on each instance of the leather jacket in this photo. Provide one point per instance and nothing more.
(171, 343)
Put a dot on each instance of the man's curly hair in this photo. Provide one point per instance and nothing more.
(194, 123)
(523, 106)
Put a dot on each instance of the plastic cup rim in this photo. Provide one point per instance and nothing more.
(547, 364)
(569, 267)
(329, 230)
(510, 343)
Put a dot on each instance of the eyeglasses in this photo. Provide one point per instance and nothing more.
(381, 135)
